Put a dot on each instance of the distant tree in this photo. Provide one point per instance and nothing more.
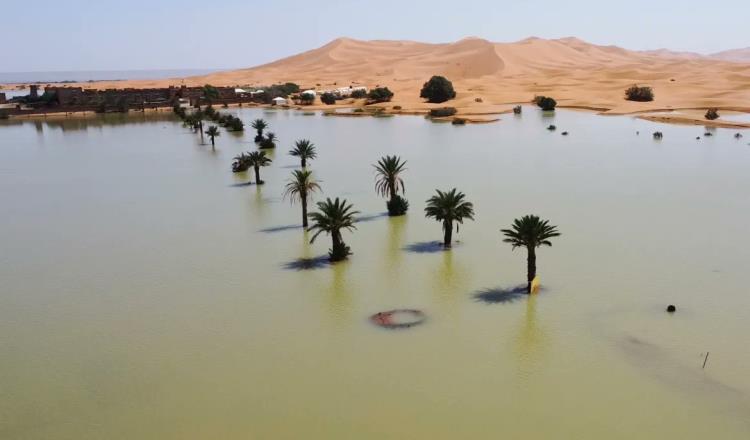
(545, 103)
(358, 94)
(328, 98)
(259, 125)
(379, 94)
(300, 188)
(530, 232)
(712, 113)
(210, 92)
(517, 110)
(268, 142)
(257, 159)
(235, 124)
(212, 132)
(306, 98)
(438, 89)
(240, 163)
(448, 207)
(305, 150)
(442, 112)
(640, 94)
(333, 216)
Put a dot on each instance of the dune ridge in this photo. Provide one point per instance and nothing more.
(491, 76)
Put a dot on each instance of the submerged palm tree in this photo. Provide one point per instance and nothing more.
(240, 163)
(259, 125)
(530, 232)
(212, 132)
(448, 207)
(332, 218)
(389, 182)
(300, 188)
(257, 159)
(303, 149)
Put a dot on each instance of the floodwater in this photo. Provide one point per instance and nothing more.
(147, 293)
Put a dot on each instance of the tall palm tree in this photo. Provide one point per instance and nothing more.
(259, 125)
(212, 132)
(257, 159)
(331, 219)
(300, 188)
(530, 232)
(448, 207)
(303, 149)
(388, 183)
(199, 115)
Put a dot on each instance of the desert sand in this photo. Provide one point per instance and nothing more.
(491, 77)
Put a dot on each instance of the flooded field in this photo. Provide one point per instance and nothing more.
(148, 292)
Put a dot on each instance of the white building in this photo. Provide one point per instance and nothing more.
(279, 101)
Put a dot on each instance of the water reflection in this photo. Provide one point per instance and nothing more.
(531, 340)
(340, 295)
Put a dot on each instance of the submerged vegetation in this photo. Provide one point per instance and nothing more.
(545, 103)
(530, 232)
(299, 188)
(305, 150)
(388, 183)
(333, 216)
(448, 207)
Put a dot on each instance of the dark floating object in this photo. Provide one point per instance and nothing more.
(637, 133)
(671, 308)
(697, 137)
(517, 110)
(551, 128)
(658, 135)
(564, 133)
(708, 134)
(398, 318)
(738, 136)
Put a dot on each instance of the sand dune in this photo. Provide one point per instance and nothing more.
(574, 72)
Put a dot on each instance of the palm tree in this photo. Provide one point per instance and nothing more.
(448, 207)
(388, 182)
(530, 232)
(269, 141)
(259, 125)
(212, 132)
(199, 115)
(257, 159)
(332, 218)
(303, 149)
(240, 163)
(300, 188)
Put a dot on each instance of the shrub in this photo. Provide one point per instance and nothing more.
(358, 94)
(442, 112)
(545, 103)
(236, 124)
(459, 121)
(438, 89)
(397, 206)
(640, 94)
(552, 128)
(517, 110)
(328, 98)
(379, 94)
(658, 135)
(712, 114)
(397, 107)
(478, 100)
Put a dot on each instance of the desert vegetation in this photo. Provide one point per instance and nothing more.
(300, 188)
(639, 93)
(379, 94)
(437, 90)
(442, 112)
(545, 103)
(331, 218)
(449, 207)
(530, 232)
(712, 114)
(304, 150)
(389, 183)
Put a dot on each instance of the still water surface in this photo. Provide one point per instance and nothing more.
(147, 293)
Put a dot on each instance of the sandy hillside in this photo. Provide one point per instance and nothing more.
(574, 72)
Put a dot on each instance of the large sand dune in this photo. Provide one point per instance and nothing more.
(574, 72)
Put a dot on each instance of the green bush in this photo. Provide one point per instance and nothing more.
(438, 89)
(379, 94)
(459, 121)
(358, 94)
(517, 110)
(640, 94)
(397, 206)
(442, 112)
(545, 103)
(328, 98)
(712, 114)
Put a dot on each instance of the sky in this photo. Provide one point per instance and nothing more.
(71, 35)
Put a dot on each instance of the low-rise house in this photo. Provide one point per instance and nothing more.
(279, 101)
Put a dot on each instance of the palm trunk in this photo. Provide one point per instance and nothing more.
(200, 127)
(530, 267)
(448, 230)
(304, 210)
(304, 163)
(213, 144)
(338, 244)
(257, 175)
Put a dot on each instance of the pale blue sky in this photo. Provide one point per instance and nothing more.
(41, 35)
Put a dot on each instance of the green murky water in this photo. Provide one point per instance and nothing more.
(148, 294)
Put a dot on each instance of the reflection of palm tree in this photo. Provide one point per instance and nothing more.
(339, 298)
(531, 339)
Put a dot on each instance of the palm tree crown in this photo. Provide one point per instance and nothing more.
(388, 181)
(300, 188)
(332, 218)
(530, 231)
(257, 159)
(304, 149)
(259, 125)
(448, 207)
